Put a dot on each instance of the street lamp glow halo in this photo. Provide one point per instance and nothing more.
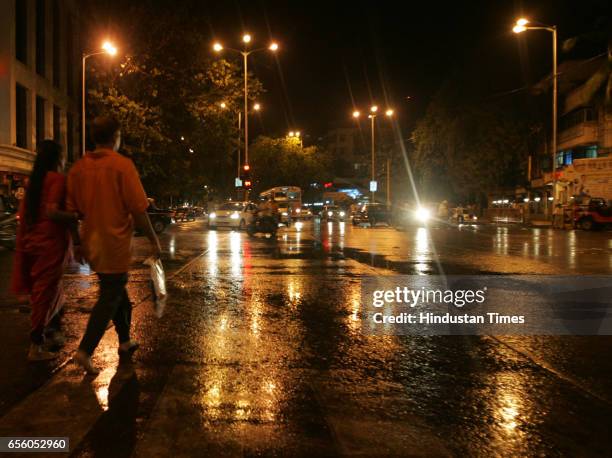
(273, 46)
(356, 114)
(373, 108)
(246, 38)
(389, 112)
(257, 107)
(520, 25)
(218, 47)
(108, 47)
(223, 105)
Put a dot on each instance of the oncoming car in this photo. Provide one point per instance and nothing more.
(233, 215)
(333, 213)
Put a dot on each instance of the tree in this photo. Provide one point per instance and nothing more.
(284, 162)
(464, 149)
(166, 92)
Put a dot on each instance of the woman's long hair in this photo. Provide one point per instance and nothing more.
(48, 157)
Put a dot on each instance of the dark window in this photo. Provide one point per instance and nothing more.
(70, 137)
(21, 115)
(56, 43)
(40, 119)
(40, 37)
(69, 57)
(57, 123)
(21, 30)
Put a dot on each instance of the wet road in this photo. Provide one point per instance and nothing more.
(261, 353)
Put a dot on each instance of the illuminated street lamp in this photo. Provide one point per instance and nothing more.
(245, 52)
(257, 107)
(523, 25)
(106, 48)
(372, 116)
(297, 135)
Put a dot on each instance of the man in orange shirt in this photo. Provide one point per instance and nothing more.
(104, 189)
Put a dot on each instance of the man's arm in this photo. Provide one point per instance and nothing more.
(143, 224)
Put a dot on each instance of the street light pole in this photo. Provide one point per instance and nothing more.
(554, 116)
(245, 54)
(521, 26)
(246, 39)
(372, 117)
(239, 130)
(109, 49)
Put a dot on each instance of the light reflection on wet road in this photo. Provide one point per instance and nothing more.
(261, 352)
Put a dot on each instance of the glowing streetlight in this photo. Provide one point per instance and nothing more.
(106, 48)
(372, 116)
(520, 26)
(245, 52)
(296, 135)
(223, 105)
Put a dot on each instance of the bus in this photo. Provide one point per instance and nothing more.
(288, 198)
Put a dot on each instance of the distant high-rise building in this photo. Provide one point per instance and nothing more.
(39, 68)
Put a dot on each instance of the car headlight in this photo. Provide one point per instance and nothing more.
(213, 215)
(330, 213)
(235, 216)
(342, 213)
(422, 214)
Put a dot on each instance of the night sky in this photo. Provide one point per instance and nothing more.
(338, 54)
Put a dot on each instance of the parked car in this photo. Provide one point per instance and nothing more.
(333, 213)
(232, 214)
(160, 218)
(372, 214)
(594, 214)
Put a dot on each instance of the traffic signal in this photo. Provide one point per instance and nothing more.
(245, 176)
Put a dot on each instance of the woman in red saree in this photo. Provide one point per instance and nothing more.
(42, 244)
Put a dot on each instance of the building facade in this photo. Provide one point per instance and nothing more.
(584, 143)
(39, 83)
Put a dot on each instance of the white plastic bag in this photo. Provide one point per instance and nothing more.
(158, 285)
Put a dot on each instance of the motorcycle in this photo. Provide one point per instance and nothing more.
(266, 225)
